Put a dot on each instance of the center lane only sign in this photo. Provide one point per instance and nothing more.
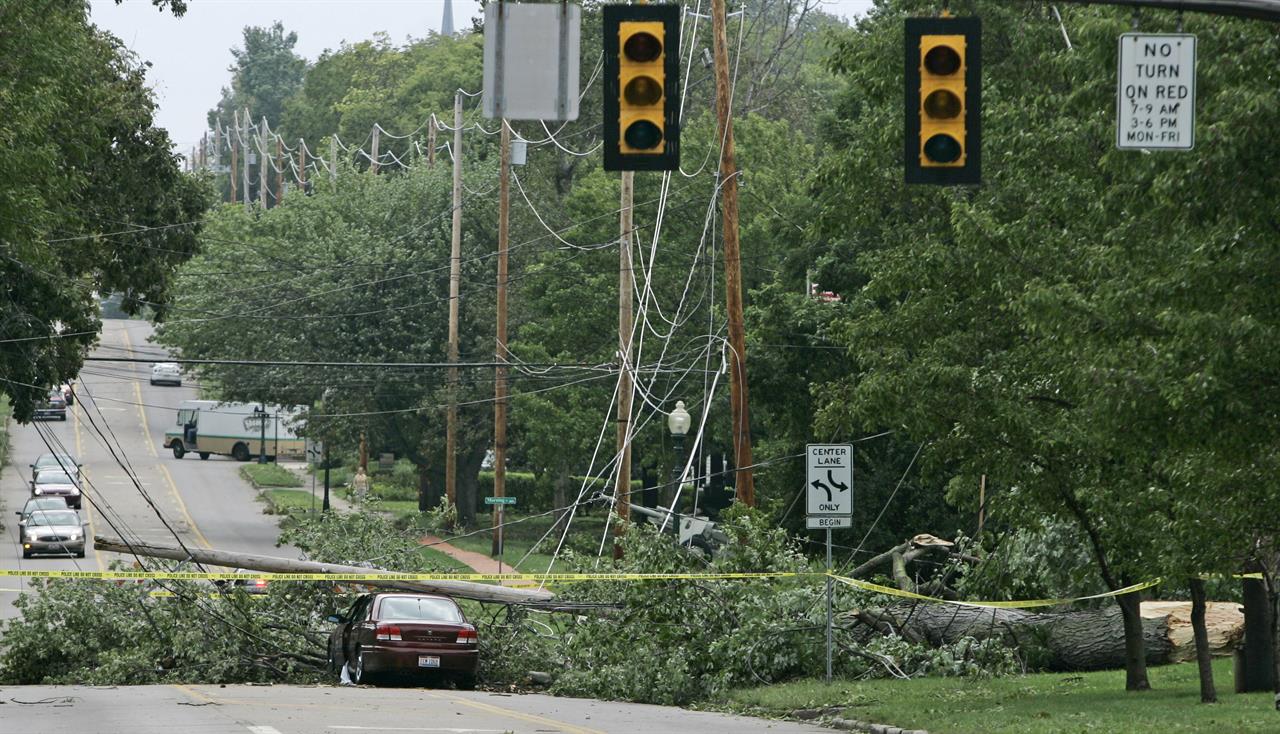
(830, 480)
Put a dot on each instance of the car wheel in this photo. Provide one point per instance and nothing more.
(204, 455)
(153, 383)
(360, 676)
(179, 450)
(80, 553)
(240, 452)
(64, 417)
(465, 681)
(26, 554)
(331, 665)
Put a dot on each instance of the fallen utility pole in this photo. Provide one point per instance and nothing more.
(275, 564)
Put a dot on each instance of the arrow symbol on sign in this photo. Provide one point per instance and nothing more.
(817, 484)
(831, 478)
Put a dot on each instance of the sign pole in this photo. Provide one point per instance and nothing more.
(828, 605)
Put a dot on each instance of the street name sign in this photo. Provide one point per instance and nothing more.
(827, 522)
(1156, 92)
(499, 500)
(829, 487)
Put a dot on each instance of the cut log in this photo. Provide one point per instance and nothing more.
(1090, 639)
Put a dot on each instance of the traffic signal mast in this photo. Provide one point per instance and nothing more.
(943, 100)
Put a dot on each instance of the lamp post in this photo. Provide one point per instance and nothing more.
(261, 414)
(678, 424)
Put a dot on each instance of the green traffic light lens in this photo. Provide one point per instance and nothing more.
(643, 135)
(642, 47)
(642, 90)
(942, 104)
(942, 148)
(942, 60)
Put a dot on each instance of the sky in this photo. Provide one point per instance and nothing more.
(190, 55)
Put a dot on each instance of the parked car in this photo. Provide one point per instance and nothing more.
(53, 531)
(166, 373)
(68, 394)
(65, 462)
(54, 407)
(38, 503)
(414, 634)
(57, 483)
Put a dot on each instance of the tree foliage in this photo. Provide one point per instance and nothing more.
(91, 197)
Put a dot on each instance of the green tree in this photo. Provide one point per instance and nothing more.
(266, 72)
(91, 197)
(1084, 326)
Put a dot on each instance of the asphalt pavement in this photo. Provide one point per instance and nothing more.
(332, 710)
(133, 487)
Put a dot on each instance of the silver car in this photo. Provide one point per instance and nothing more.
(65, 462)
(38, 503)
(53, 531)
(166, 373)
(57, 483)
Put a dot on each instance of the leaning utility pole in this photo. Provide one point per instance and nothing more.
(626, 286)
(500, 353)
(455, 278)
(744, 482)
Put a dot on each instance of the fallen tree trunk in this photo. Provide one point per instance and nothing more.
(1091, 639)
(274, 564)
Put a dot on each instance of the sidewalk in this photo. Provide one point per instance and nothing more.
(479, 562)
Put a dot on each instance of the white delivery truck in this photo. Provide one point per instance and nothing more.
(239, 430)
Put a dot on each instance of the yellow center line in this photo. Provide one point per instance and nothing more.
(84, 474)
(182, 506)
(531, 718)
(197, 695)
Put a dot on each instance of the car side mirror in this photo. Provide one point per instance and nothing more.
(335, 618)
(18, 513)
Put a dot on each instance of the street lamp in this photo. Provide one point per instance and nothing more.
(678, 423)
(260, 413)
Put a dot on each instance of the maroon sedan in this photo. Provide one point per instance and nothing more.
(392, 632)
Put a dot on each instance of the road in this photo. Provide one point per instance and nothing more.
(330, 710)
(117, 428)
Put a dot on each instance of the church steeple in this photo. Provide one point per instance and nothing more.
(446, 23)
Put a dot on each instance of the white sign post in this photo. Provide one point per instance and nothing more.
(1156, 92)
(829, 491)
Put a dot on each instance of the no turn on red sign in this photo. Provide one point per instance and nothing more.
(1156, 92)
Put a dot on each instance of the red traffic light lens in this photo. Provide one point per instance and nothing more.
(942, 60)
(643, 135)
(942, 148)
(642, 90)
(942, 104)
(642, 47)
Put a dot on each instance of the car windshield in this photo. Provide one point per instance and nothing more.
(53, 477)
(55, 517)
(62, 460)
(409, 608)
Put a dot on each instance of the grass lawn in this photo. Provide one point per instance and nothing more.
(270, 475)
(1045, 703)
(523, 534)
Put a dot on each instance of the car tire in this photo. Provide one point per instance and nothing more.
(153, 383)
(240, 452)
(465, 681)
(331, 664)
(359, 675)
(204, 455)
(80, 553)
(26, 554)
(179, 450)
(63, 417)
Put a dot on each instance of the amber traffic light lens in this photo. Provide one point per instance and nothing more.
(643, 90)
(942, 149)
(642, 47)
(942, 104)
(942, 60)
(643, 135)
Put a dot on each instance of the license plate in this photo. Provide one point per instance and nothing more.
(428, 661)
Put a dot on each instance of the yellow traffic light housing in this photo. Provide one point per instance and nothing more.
(641, 125)
(943, 101)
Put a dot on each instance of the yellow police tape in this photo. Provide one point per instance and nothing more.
(553, 577)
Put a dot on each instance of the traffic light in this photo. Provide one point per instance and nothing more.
(641, 87)
(943, 100)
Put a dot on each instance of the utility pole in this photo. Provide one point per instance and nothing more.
(235, 155)
(280, 173)
(302, 165)
(744, 483)
(500, 353)
(373, 159)
(626, 285)
(333, 157)
(431, 142)
(455, 278)
(244, 164)
(263, 165)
